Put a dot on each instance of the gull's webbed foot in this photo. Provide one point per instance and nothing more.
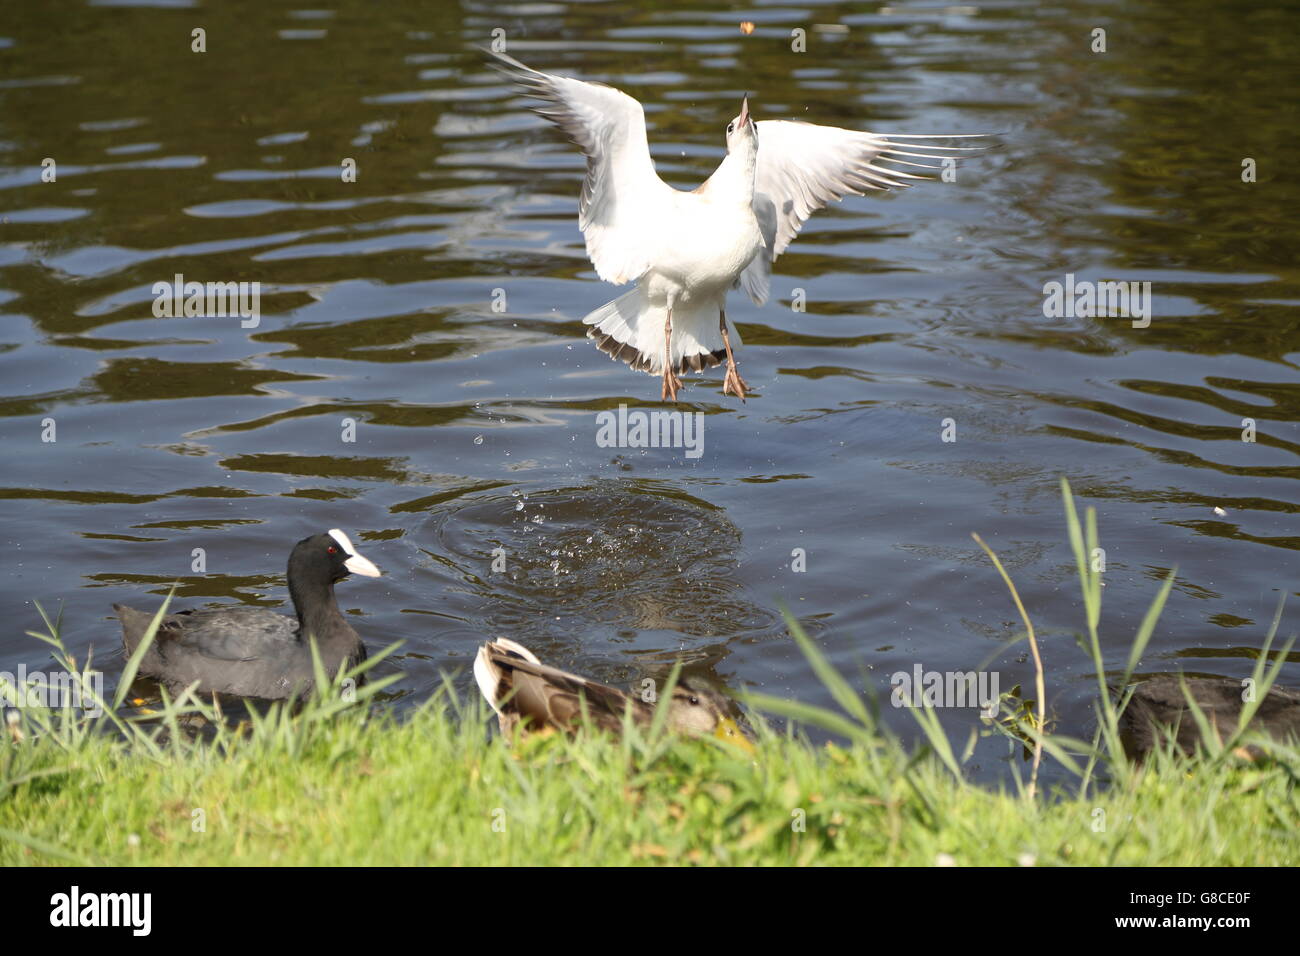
(671, 385)
(733, 384)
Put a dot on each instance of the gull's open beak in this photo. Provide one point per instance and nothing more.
(730, 731)
(362, 566)
(744, 110)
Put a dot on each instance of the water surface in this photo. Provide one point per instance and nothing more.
(476, 429)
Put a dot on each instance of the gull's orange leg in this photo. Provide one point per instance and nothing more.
(671, 382)
(733, 382)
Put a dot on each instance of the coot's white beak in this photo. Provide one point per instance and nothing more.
(355, 563)
(363, 566)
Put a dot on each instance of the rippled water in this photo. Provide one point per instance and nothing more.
(476, 429)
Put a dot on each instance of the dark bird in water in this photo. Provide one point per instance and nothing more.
(249, 652)
(1159, 709)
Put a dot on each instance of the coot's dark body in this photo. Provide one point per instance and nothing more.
(247, 652)
(1158, 705)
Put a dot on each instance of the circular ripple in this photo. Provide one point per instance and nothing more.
(626, 567)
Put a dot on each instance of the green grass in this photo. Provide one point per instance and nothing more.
(346, 782)
(359, 790)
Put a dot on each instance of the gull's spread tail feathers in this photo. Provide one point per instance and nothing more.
(631, 329)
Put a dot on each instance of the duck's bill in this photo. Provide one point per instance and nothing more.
(730, 731)
(362, 566)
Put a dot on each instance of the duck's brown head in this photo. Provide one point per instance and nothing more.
(700, 710)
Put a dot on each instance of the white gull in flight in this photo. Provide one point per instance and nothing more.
(685, 250)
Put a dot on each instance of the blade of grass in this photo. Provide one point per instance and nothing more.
(1039, 680)
(133, 662)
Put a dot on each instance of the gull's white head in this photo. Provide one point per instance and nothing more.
(742, 133)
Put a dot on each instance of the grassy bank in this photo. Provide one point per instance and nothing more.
(345, 782)
(435, 790)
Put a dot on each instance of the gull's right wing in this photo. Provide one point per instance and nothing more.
(622, 194)
(802, 167)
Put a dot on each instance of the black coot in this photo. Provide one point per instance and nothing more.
(248, 652)
(1158, 708)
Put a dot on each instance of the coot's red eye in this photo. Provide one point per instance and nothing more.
(333, 550)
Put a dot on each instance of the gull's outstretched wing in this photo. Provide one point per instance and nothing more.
(802, 167)
(622, 194)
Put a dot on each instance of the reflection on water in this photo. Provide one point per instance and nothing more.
(382, 393)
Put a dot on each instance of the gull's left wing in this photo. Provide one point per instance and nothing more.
(802, 167)
(622, 193)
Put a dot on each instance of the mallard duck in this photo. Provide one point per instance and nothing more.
(250, 652)
(1159, 708)
(524, 691)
